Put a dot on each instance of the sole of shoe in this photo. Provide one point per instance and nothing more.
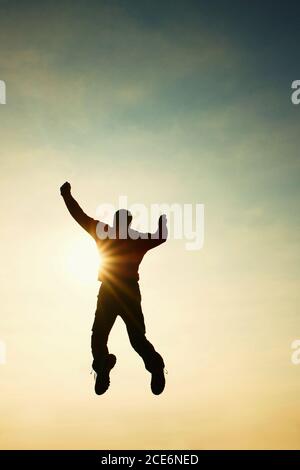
(158, 381)
(102, 380)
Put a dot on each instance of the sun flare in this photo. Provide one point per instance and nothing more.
(83, 260)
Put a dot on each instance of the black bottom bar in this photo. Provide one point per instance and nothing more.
(150, 458)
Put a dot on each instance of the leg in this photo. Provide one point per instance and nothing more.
(104, 319)
(153, 361)
(134, 320)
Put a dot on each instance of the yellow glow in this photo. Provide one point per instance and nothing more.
(83, 260)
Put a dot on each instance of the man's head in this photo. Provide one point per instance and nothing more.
(122, 219)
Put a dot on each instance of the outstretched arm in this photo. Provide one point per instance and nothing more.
(76, 212)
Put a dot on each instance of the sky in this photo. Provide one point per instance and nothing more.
(164, 102)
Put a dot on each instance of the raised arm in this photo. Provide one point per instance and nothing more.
(158, 237)
(162, 232)
(76, 212)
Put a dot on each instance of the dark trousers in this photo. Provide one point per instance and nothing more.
(123, 300)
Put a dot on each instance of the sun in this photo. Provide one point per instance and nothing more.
(83, 260)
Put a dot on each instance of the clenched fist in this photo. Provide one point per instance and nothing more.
(65, 188)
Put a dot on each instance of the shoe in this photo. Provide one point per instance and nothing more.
(102, 378)
(158, 381)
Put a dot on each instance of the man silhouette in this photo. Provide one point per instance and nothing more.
(122, 249)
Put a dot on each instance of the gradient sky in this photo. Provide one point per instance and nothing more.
(162, 102)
